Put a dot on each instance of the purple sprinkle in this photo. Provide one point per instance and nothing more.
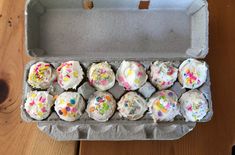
(159, 113)
(67, 108)
(170, 94)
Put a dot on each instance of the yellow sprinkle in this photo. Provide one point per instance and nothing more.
(65, 78)
(137, 81)
(75, 74)
(40, 105)
(61, 101)
(129, 72)
(33, 95)
(155, 106)
(40, 114)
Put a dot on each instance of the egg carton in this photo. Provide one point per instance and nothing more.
(109, 30)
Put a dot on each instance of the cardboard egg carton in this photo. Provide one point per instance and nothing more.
(109, 30)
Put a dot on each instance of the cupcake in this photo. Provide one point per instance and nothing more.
(101, 76)
(101, 106)
(131, 75)
(163, 74)
(40, 75)
(69, 75)
(192, 73)
(194, 105)
(69, 106)
(132, 106)
(38, 104)
(163, 106)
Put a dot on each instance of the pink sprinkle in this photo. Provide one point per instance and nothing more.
(44, 109)
(189, 108)
(103, 71)
(68, 76)
(126, 85)
(120, 78)
(40, 99)
(140, 74)
(74, 110)
(103, 82)
(168, 105)
(139, 64)
(32, 103)
(69, 70)
(43, 100)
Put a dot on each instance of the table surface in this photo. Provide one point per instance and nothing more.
(214, 137)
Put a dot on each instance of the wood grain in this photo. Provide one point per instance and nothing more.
(17, 137)
(215, 137)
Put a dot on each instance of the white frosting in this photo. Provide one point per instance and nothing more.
(131, 75)
(163, 106)
(40, 75)
(101, 76)
(194, 105)
(38, 104)
(192, 73)
(163, 74)
(132, 106)
(69, 74)
(101, 106)
(69, 106)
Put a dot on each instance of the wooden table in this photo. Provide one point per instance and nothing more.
(214, 137)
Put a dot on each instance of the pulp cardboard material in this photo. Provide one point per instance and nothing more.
(59, 30)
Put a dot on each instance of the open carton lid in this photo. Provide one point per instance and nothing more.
(111, 29)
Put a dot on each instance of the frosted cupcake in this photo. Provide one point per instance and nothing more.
(163, 106)
(194, 105)
(131, 75)
(192, 73)
(101, 106)
(38, 104)
(101, 76)
(163, 74)
(132, 106)
(40, 75)
(69, 75)
(69, 106)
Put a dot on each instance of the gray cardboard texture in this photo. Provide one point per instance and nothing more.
(61, 30)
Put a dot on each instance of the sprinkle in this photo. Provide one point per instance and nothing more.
(140, 74)
(40, 105)
(72, 101)
(108, 98)
(68, 108)
(137, 81)
(60, 112)
(170, 94)
(75, 74)
(120, 78)
(64, 112)
(92, 109)
(40, 114)
(44, 109)
(159, 113)
(130, 72)
(103, 82)
(33, 95)
(32, 103)
(189, 108)
(74, 109)
(66, 78)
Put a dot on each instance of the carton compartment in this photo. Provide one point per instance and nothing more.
(117, 29)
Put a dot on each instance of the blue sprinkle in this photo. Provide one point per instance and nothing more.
(72, 101)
